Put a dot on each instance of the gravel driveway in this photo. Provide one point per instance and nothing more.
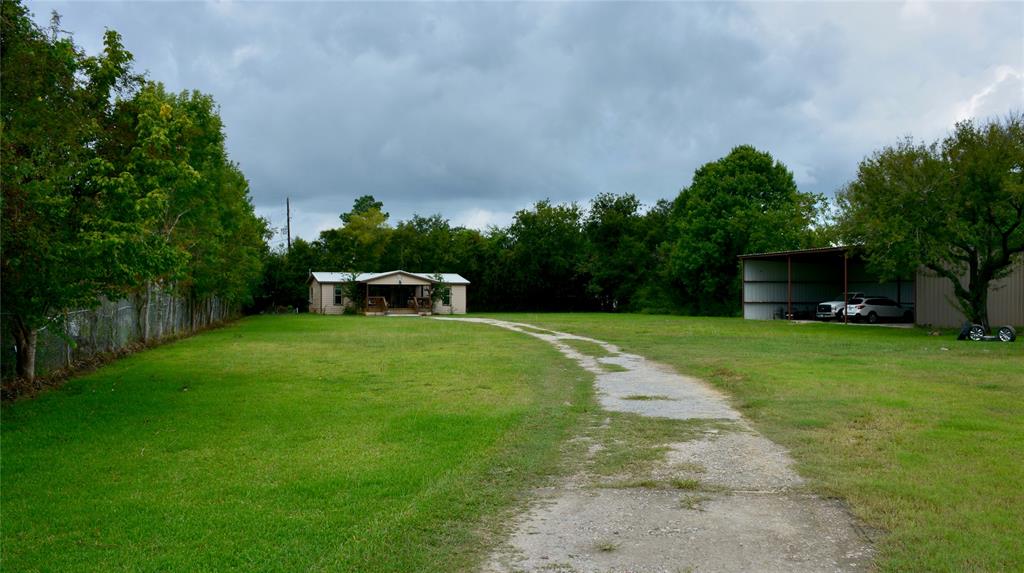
(750, 512)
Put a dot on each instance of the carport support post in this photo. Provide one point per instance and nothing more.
(743, 288)
(846, 289)
(789, 284)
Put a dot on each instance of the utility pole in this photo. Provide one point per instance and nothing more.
(288, 210)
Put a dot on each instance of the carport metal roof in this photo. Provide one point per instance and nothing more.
(773, 254)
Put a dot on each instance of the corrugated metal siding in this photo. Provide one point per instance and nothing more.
(938, 305)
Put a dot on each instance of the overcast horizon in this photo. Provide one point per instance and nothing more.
(475, 111)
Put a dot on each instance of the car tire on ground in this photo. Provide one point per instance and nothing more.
(976, 333)
(1007, 333)
(872, 317)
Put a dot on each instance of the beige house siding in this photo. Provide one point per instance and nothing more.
(322, 298)
(937, 305)
(398, 279)
(457, 300)
(328, 300)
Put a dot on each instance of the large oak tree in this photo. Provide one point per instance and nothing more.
(954, 206)
(744, 202)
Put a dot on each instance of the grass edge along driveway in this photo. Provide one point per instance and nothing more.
(284, 443)
(922, 435)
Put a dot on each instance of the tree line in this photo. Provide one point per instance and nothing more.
(111, 185)
(955, 206)
(613, 254)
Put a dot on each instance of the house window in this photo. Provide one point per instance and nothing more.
(447, 298)
(337, 296)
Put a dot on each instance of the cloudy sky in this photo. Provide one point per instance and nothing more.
(476, 110)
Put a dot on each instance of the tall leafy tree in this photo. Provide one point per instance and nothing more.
(955, 207)
(360, 244)
(110, 184)
(421, 244)
(285, 274)
(546, 258)
(617, 259)
(656, 293)
(173, 145)
(362, 205)
(745, 202)
(74, 228)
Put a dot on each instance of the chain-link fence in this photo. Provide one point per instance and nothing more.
(114, 326)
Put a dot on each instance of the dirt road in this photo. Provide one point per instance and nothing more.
(724, 500)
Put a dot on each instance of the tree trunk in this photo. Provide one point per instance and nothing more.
(978, 302)
(25, 337)
(977, 290)
(972, 298)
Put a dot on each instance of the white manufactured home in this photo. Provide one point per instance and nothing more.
(392, 292)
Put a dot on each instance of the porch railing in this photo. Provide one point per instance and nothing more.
(420, 303)
(376, 304)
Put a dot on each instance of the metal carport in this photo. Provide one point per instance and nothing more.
(791, 283)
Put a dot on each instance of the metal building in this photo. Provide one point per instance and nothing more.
(791, 283)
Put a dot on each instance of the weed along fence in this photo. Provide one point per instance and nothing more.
(115, 326)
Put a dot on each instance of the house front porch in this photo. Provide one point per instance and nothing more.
(397, 299)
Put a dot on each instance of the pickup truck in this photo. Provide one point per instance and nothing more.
(834, 308)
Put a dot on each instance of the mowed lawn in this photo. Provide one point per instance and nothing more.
(287, 443)
(923, 435)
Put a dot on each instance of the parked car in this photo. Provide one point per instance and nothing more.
(875, 308)
(834, 308)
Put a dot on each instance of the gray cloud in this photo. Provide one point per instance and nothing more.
(477, 110)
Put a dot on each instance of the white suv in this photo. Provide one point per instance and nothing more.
(875, 308)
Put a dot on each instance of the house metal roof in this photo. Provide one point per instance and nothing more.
(335, 277)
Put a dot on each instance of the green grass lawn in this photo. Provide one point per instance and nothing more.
(288, 443)
(361, 444)
(922, 435)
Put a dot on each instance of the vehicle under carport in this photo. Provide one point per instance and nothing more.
(790, 284)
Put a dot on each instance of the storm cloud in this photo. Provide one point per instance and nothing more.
(477, 110)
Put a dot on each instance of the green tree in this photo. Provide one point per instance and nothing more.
(744, 202)
(421, 244)
(109, 185)
(617, 259)
(361, 243)
(285, 274)
(177, 149)
(655, 293)
(955, 207)
(362, 205)
(546, 245)
(74, 228)
(439, 290)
